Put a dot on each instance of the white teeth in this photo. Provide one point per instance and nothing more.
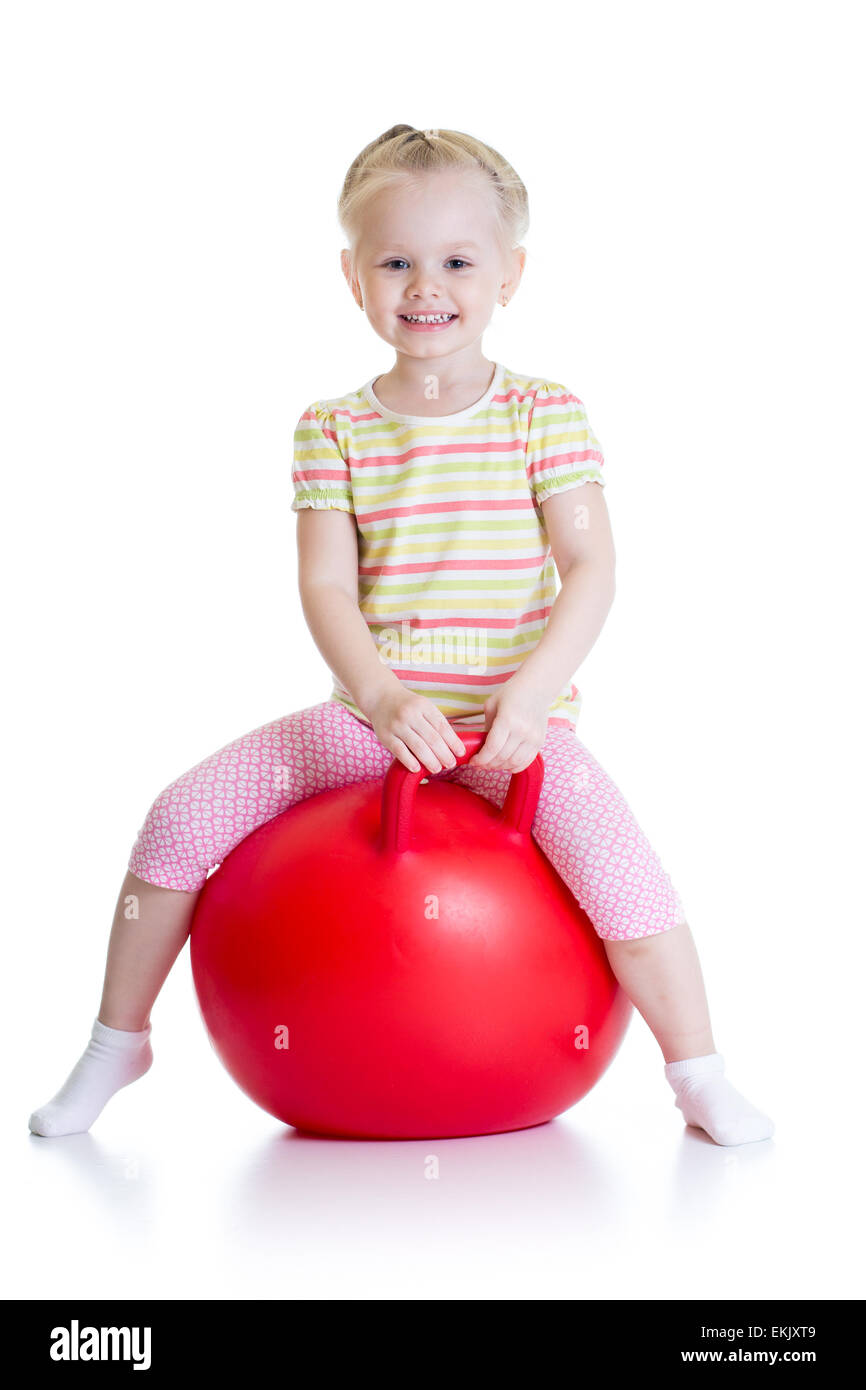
(427, 318)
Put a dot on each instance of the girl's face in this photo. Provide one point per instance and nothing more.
(428, 245)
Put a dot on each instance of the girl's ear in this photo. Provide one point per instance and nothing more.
(346, 264)
(519, 261)
(515, 267)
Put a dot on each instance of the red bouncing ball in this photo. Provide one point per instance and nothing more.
(387, 963)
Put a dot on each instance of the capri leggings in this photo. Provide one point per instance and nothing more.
(582, 823)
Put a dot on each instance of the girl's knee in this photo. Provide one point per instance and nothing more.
(168, 852)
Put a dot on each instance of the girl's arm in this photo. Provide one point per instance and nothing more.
(409, 725)
(581, 541)
(328, 583)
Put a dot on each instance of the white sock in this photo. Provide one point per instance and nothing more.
(709, 1101)
(112, 1059)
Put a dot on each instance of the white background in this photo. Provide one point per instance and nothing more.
(172, 301)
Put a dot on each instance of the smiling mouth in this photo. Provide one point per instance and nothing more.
(427, 318)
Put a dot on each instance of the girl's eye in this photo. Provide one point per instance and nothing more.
(398, 261)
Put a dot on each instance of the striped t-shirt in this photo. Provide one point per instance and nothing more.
(456, 577)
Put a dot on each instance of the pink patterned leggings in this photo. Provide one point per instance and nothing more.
(582, 824)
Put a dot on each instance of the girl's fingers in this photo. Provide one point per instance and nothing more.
(523, 755)
(420, 747)
(429, 746)
(453, 740)
(493, 750)
(406, 756)
(440, 745)
(515, 756)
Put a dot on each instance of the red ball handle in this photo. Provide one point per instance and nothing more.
(401, 785)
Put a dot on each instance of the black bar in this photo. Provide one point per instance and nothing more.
(604, 1336)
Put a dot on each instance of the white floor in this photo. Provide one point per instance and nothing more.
(184, 1189)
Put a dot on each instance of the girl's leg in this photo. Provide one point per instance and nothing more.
(587, 831)
(195, 822)
(149, 929)
(661, 975)
(189, 829)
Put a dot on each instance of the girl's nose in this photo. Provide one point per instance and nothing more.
(423, 286)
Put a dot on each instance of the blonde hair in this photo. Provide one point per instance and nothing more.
(403, 151)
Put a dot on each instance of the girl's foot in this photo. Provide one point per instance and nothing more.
(709, 1101)
(112, 1059)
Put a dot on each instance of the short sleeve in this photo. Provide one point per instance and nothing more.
(320, 474)
(562, 451)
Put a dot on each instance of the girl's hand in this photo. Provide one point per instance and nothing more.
(516, 723)
(414, 729)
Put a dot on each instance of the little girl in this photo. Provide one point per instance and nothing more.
(436, 505)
